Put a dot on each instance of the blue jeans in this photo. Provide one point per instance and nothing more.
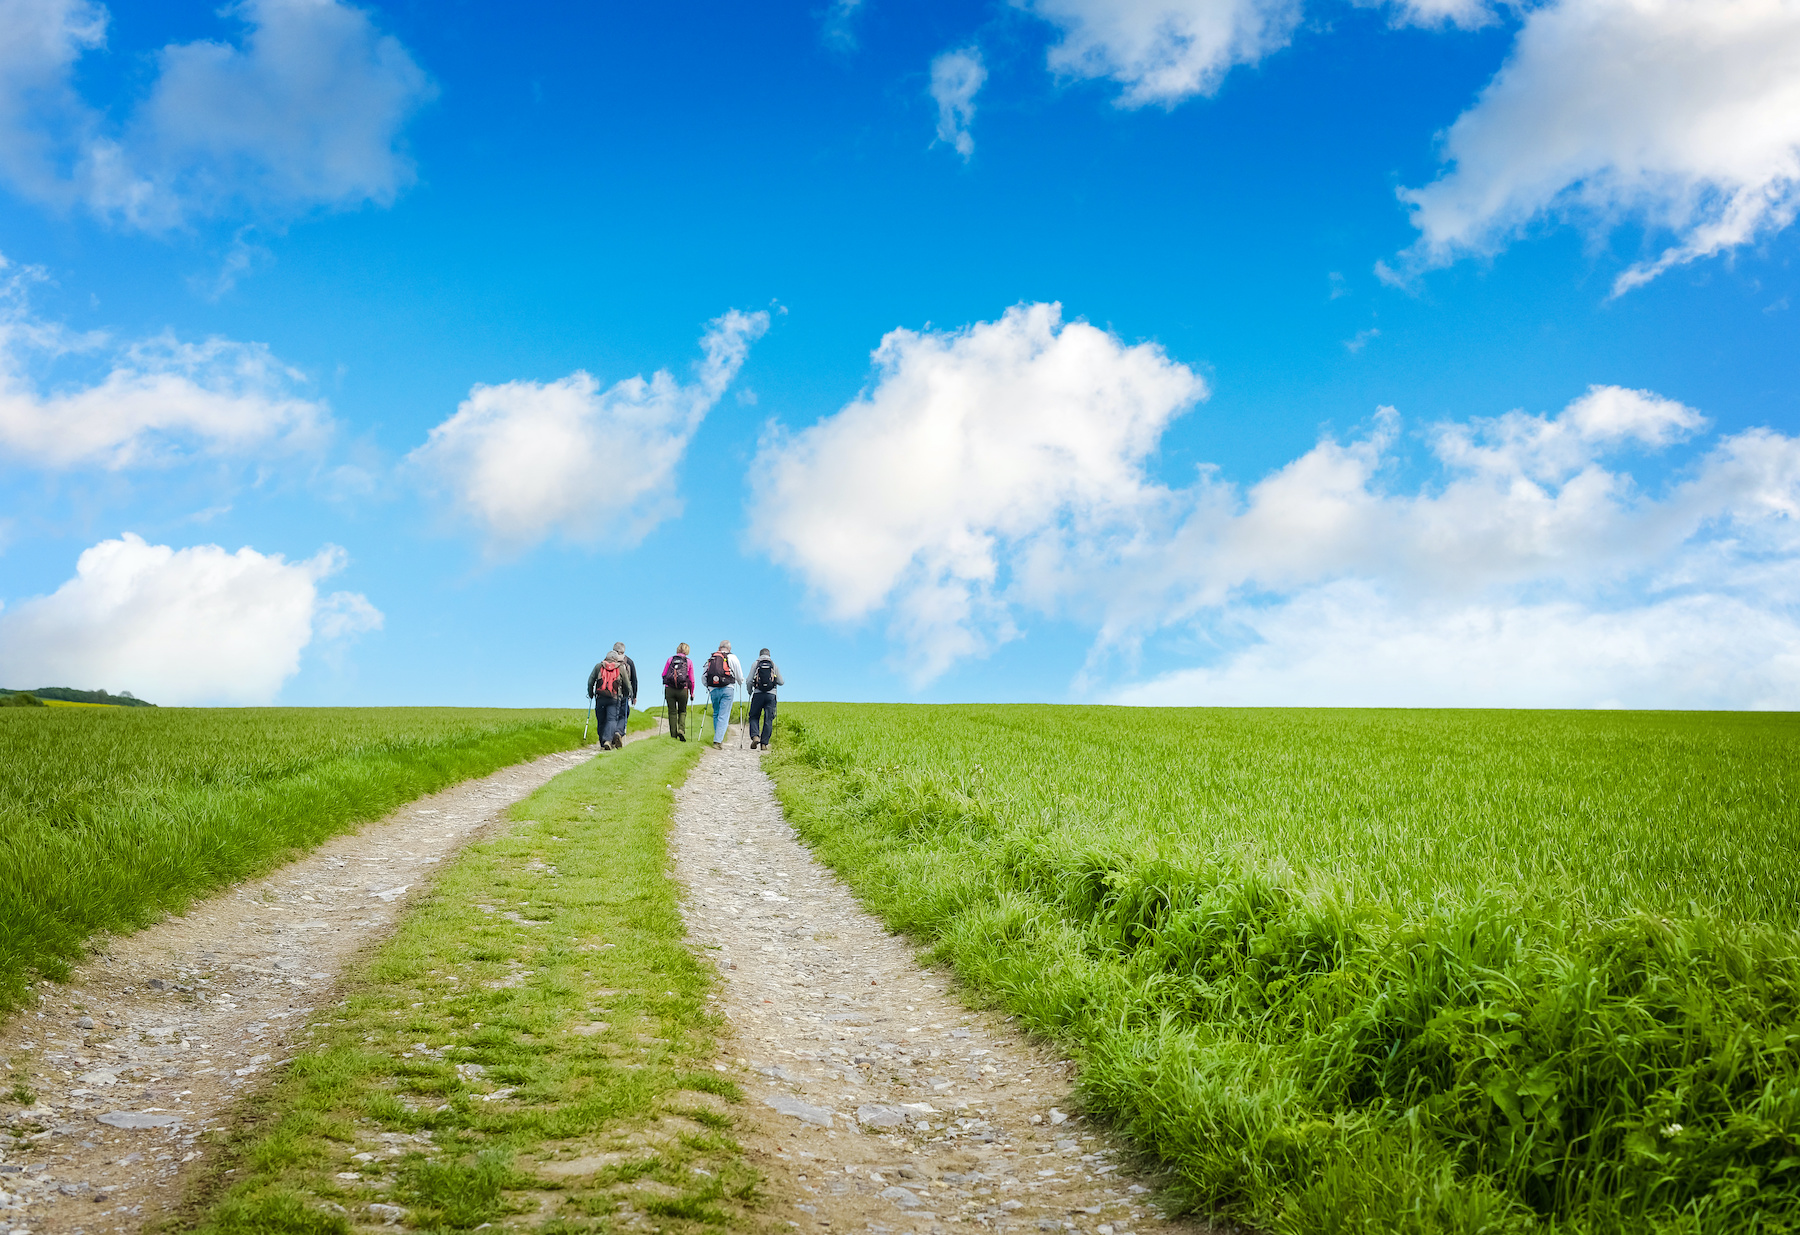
(721, 706)
(613, 714)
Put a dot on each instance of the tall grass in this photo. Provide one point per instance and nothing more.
(1368, 971)
(109, 817)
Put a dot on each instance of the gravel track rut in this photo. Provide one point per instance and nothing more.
(878, 1101)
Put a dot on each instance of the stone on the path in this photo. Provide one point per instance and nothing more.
(388, 1214)
(880, 1115)
(803, 1111)
(905, 1198)
(137, 1119)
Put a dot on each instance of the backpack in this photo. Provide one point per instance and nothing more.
(763, 676)
(611, 680)
(718, 670)
(680, 675)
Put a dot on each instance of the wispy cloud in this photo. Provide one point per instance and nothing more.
(839, 27)
(956, 77)
(151, 402)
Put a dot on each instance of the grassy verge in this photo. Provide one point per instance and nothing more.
(112, 816)
(549, 1069)
(1362, 972)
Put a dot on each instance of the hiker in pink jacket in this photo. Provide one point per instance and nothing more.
(679, 685)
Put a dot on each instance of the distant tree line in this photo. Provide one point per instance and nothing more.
(65, 694)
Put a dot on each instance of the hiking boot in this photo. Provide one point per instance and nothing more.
(718, 746)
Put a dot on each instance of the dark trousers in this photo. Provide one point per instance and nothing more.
(676, 697)
(613, 714)
(762, 704)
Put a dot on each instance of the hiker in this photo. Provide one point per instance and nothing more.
(609, 686)
(679, 685)
(764, 678)
(723, 673)
(630, 695)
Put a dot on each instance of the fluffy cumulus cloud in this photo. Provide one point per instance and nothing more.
(179, 626)
(956, 76)
(151, 401)
(526, 460)
(304, 110)
(1680, 115)
(1163, 51)
(1002, 471)
(1531, 569)
(955, 478)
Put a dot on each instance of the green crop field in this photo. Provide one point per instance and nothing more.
(110, 816)
(1366, 970)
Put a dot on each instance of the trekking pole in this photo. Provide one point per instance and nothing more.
(585, 713)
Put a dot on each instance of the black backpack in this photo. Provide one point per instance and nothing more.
(679, 674)
(718, 670)
(763, 677)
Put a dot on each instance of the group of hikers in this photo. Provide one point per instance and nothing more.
(613, 686)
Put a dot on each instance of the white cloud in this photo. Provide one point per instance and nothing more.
(1351, 645)
(304, 111)
(952, 479)
(179, 626)
(1683, 115)
(157, 401)
(1000, 472)
(839, 26)
(525, 460)
(40, 114)
(1163, 51)
(956, 76)
(1466, 14)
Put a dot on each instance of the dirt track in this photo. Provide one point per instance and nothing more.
(879, 1102)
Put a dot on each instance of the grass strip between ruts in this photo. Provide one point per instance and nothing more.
(532, 1047)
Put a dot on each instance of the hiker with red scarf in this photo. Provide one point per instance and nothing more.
(610, 686)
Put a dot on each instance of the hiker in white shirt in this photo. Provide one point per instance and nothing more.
(722, 674)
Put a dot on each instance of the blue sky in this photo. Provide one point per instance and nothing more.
(1177, 351)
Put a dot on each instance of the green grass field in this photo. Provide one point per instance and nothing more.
(111, 816)
(1367, 971)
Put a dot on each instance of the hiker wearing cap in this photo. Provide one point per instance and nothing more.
(679, 685)
(630, 700)
(764, 678)
(609, 686)
(723, 673)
